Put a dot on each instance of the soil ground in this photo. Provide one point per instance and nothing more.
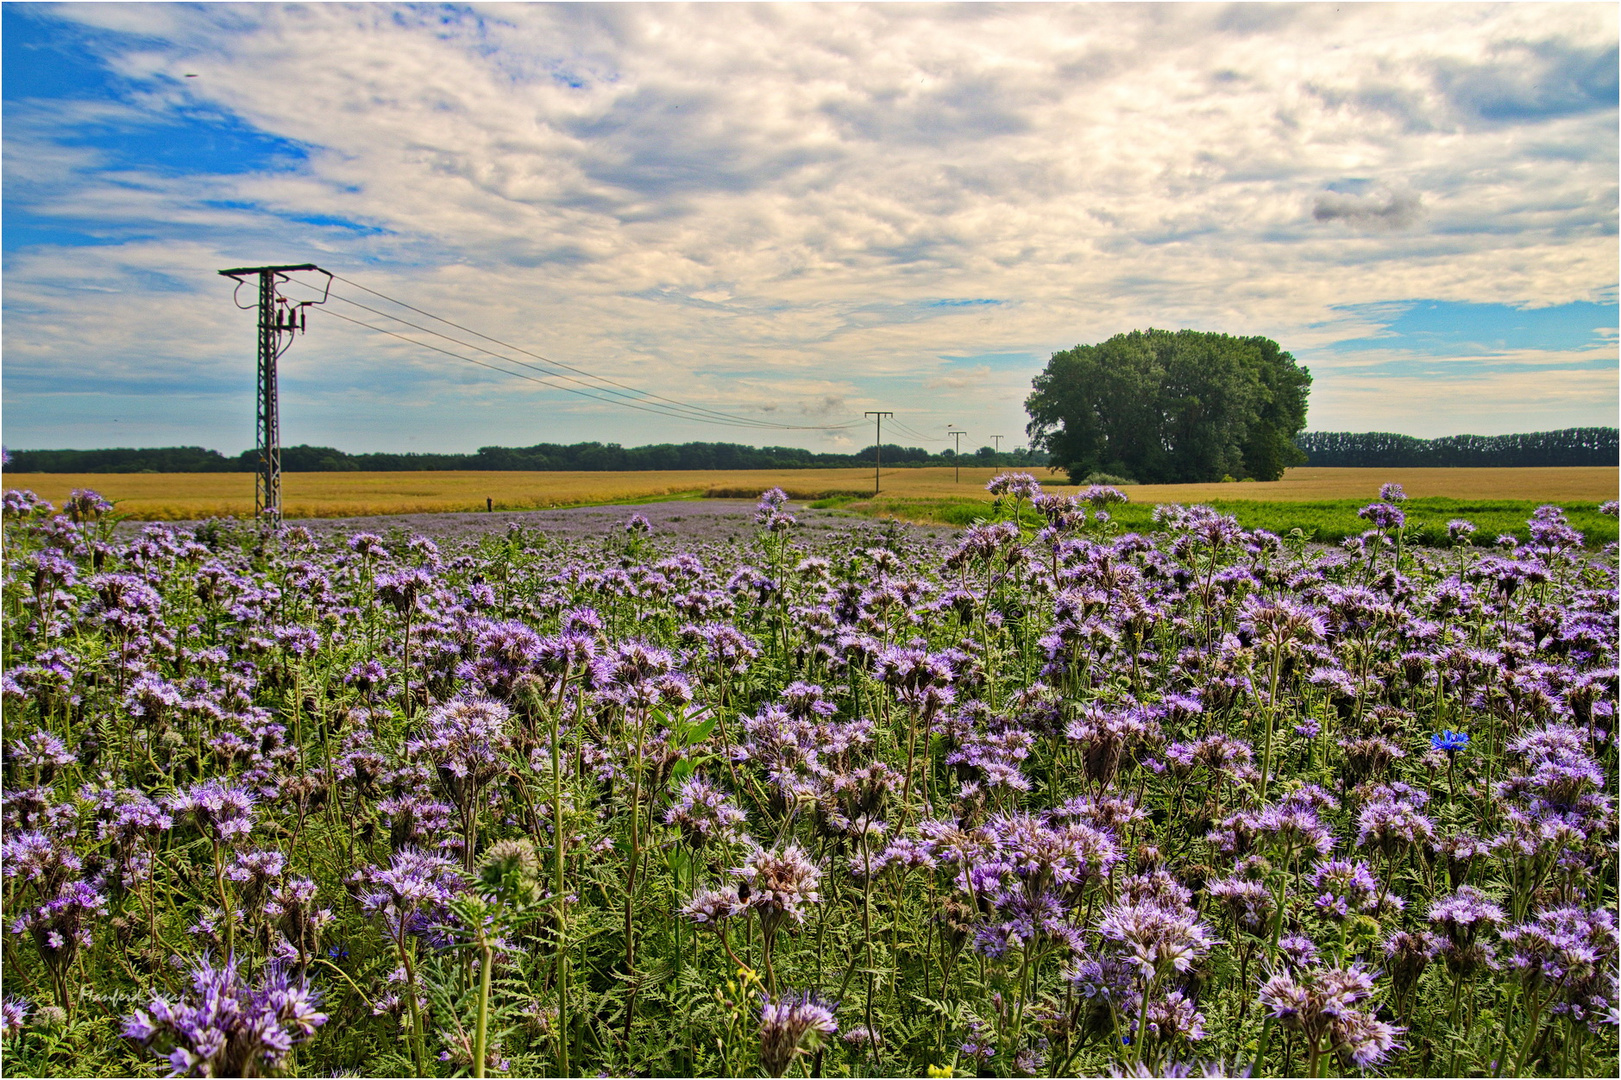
(694, 521)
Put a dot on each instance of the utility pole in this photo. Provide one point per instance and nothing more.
(878, 445)
(997, 439)
(277, 316)
(957, 457)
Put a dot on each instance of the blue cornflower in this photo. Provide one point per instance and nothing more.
(1450, 741)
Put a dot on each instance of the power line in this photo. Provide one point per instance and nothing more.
(716, 414)
(515, 374)
(510, 360)
(913, 432)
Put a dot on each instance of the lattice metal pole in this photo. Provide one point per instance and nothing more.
(267, 478)
(267, 425)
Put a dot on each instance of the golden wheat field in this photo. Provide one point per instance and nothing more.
(186, 496)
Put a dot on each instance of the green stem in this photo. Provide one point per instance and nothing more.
(1271, 713)
(417, 1040)
(1142, 1024)
(559, 896)
(1502, 1044)
(225, 903)
(1531, 1025)
(405, 668)
(911, 751)
(481, 1030)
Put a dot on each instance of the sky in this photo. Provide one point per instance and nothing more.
(789, 215)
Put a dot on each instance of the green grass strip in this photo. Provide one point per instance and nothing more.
(1325, 522)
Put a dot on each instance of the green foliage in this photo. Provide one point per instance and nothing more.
(160, 459)
(1328, 521)
(1569, 447)
(542, 457)
(1165, 407)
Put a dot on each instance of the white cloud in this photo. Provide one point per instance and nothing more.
(753, 207)
(977, 376)
(1494, 403)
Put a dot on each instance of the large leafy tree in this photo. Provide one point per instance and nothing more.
(1163, 407)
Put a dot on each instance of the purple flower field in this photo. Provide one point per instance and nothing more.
(1040, 798)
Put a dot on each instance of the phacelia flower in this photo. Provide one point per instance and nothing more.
(780, 884)
(13, 1013)
(1321, 1004)
(222, 811)
(790, 1025)
(223, 1026)
(1157, 938)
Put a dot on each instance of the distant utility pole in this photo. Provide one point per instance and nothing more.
(878, 445)
(277, 316)
(997, 439)
(957, 458)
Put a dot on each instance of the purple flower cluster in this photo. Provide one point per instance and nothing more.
(226, 1027)
(789, 1026)
(1325, 1006)
(1068, 798)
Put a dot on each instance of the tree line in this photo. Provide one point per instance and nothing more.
(542, 457)
(1381, 449)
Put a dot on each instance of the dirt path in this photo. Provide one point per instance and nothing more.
(693, 521)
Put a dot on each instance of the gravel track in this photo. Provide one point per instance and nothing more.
(691, 521)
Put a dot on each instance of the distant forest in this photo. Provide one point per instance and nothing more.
(1572, 446)
(1381, 450)
(544, 457)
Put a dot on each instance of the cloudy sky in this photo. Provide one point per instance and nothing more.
(792, 214)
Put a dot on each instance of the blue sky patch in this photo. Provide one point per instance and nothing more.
(206, 143)
(328, 221)
(1451, 328)
(50, 60)
(47, 58)
(23, 229)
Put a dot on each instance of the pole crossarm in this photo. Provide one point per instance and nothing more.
(243, 271)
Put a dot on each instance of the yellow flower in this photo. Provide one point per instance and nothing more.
(941, 1070)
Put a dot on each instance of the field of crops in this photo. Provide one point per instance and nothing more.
(1043, 799)
(191, 496)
